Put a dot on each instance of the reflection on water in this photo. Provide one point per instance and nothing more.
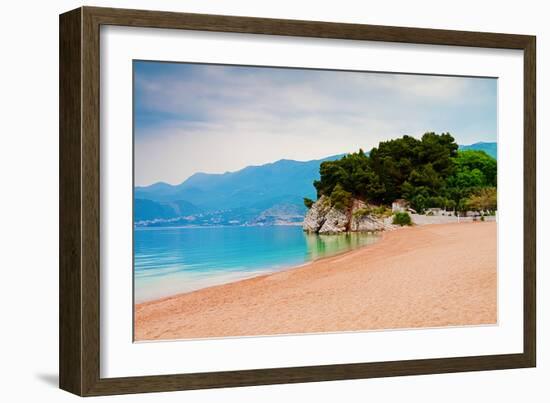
(319, 246)
(169, 261)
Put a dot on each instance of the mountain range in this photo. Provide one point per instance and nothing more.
(489, 148)
(256, 195)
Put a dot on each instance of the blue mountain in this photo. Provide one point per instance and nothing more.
(145, 209)
(255, 187)
(255, 194)
(489, 148)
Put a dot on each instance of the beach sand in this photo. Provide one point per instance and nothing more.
(424, 276)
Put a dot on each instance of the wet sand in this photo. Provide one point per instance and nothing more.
(423, 276)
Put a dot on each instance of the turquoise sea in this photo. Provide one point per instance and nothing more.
(169, 261)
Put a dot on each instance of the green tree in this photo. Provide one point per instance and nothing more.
(402, 219)
(308, 202)
(340, 198)
(353, 173)
(429, 172)
(470, 160)
(393, 162)
(473, 170)
(332, 173)
(484, 200)
(420, 164)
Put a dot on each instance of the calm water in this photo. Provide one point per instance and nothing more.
(174, 260)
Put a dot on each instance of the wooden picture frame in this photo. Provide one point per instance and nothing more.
(79, 348)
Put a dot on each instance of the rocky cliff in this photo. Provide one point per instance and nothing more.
(322, 218)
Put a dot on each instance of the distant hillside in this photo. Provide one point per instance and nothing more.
(284, 180)
(264, 194)
(150, 210)
(249, 195)
(489, 148)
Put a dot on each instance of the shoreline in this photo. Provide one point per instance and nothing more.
(137, 226)
(266, 271)
(369, 288)
(279, 269)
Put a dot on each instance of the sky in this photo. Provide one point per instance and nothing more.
(192, 118)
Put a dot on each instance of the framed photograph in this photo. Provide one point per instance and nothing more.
(248, 201)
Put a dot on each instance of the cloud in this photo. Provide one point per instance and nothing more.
(208, 118)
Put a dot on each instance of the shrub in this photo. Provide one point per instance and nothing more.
(484, 199)
(362, 212)
(402, 219)
(340, 198)
(308, 202)
(379, 212)
(382, 211)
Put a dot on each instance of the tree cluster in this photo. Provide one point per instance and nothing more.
(429, 172)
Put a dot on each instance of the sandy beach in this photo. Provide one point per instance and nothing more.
(423, 276)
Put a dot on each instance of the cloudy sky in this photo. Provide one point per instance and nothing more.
(192, 118)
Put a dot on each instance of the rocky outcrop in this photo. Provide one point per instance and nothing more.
(322, 218)
(336, 221)
(316, 215)
(371, 223)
